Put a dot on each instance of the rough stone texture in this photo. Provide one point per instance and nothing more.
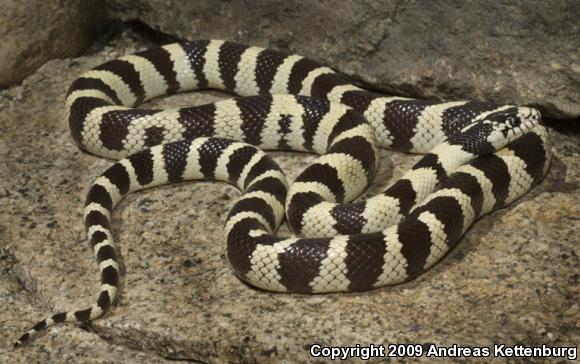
(61, 345)
(35, 31)
(512, 279)
(524, 52)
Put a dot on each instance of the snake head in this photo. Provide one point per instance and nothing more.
(492, 131)
(512, 122)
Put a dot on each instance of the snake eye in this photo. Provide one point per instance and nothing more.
(513, 121)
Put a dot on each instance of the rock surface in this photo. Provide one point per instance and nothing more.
(63, 346)
(524, 52)
(35, 31)
(512, 279)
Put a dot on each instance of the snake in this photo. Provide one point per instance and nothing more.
(478, 157)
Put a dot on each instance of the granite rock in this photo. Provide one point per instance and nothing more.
(524, 52)
(59, 346)
(512, 279)
(35, 31)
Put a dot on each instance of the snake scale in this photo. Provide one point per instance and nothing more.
(479, 156)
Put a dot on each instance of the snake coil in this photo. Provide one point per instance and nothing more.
(479, 156)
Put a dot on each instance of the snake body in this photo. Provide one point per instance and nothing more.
(479, 157)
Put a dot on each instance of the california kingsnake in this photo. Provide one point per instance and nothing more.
(294, 103)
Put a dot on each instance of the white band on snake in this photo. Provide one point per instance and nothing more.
(479, 157)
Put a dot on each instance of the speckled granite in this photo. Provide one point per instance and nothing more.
(513, 278)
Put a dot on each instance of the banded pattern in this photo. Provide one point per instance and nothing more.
(260, 178)
(102, 122)
(480, 157)
(100, 102)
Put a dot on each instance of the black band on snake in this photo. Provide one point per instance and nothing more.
(479, 157)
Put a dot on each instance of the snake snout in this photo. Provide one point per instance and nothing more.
(505, 125)
(522, 120)
(515, 121)
(528, 118)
